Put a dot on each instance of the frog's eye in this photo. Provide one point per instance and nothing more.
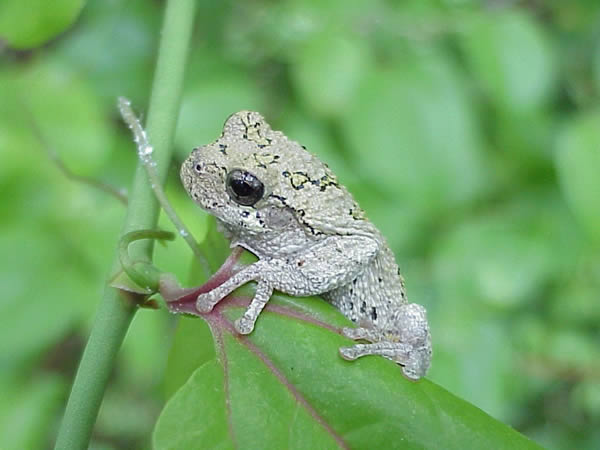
(244, 188)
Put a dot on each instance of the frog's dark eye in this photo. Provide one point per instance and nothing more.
(244, 188)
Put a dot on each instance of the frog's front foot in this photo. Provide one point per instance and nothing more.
(244, 325)
(206, 302)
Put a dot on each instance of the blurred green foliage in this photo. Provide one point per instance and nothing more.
(469, 131)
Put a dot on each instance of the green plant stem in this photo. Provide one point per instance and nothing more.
(116, 311)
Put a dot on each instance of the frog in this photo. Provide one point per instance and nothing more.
(275, 199)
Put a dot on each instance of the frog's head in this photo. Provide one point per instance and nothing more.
(255, 178)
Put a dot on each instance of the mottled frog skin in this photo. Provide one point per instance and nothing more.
(280, 202)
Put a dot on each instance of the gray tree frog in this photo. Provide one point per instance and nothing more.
(278, 201)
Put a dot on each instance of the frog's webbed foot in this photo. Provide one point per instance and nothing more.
(404, 340)
(207, 301)
(244, 325)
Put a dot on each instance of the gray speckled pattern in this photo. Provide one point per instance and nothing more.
(310, 236)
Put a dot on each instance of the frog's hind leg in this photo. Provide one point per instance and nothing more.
(414, 363)
(405, 340)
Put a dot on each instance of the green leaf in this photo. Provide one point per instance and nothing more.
(328, 70)
(207, 104)
(56, 100)
(571, 348)
(582, 307)
(596, 67)
(493, 269)
(504, 259)
(26, 279)
(122, 281)
(27, 24)
(511, 58)
(300, 392)
(28, 410)
(195, 408)
(192, 347)
(587, 397)
(128, 29)
(286, 386)
(578, 166)
(145, 349)
(413, 121)
(315, 135)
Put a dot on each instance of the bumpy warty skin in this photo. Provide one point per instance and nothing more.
(309, 234)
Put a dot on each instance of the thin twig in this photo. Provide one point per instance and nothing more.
(68, 173)
(145, 150)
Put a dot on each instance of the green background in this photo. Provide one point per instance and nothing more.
(469, 132)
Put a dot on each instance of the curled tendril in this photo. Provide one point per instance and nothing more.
(142, 273)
